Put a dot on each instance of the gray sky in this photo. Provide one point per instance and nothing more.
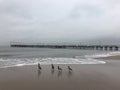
(58, 20)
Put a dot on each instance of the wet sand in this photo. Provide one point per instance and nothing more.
(83, 77)
(110, 58)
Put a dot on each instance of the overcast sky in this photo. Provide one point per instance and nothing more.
(58, 20)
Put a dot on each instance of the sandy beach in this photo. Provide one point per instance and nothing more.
(83, 77)
(110, 58)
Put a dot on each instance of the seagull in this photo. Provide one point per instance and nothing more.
(52, 66)
(60, 69)
(70, 69)
(39, 67)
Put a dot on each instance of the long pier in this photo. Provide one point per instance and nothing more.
(82, 47)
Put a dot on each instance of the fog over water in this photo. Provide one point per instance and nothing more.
(60, 21)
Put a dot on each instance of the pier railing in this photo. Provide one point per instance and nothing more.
(83, 47)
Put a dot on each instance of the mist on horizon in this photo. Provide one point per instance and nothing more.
(64, 21)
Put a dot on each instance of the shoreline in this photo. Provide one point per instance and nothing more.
(83, 77)
(117, 57)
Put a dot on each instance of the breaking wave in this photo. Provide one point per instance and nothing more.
(44, 61)
(86, 59)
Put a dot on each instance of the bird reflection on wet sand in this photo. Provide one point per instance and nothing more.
(59, 73)
(39, 73)
(69, 74)
(52, 71)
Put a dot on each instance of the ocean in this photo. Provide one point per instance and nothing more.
(13, 57)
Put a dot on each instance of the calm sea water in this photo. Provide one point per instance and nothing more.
(10, 57)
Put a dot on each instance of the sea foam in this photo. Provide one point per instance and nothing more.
(46, 61)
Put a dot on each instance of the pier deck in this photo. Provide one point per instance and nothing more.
(83, 47)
